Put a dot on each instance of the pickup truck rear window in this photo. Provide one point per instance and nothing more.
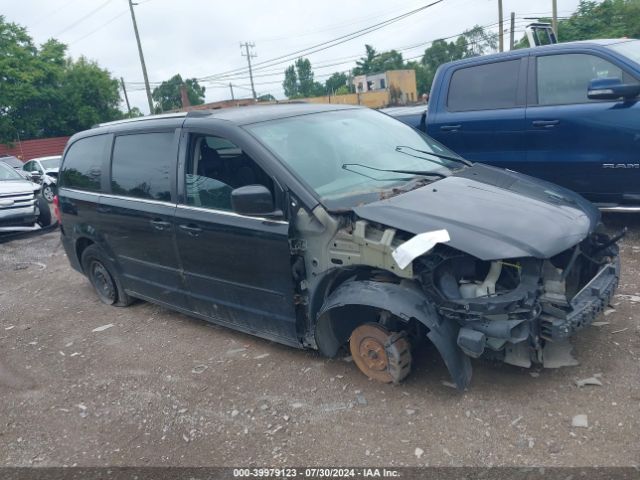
(484, 87)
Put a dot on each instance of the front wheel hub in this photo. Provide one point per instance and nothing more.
(380, 354)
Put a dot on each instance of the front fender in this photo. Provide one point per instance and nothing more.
(405, 301)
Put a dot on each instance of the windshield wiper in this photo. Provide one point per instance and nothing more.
(400, 149)
(423, 173)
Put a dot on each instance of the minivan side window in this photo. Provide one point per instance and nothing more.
(142, 165)
(564, 79)
(484, 87)
(214, 168)
(82, 165)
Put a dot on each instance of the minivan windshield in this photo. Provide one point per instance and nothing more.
(8, 173)
(353, 156)
(630, 49)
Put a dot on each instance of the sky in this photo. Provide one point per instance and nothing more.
(201, 38)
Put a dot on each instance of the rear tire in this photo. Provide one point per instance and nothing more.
(103, 277)
(44, 218)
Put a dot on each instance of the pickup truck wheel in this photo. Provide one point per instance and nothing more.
(48, 193)
(44, 217)
(103, 278)
(380, 354)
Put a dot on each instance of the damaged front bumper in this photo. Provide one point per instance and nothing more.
(552, 300)
(557, 324)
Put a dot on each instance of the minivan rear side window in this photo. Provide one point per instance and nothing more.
(142, 165)
(484, 87)
(82, 165)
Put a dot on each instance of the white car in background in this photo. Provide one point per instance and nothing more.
(44, 170)
(21, 208)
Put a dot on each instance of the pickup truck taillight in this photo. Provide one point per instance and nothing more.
(56, 209)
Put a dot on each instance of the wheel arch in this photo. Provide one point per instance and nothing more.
(81, 245)
(404, 300)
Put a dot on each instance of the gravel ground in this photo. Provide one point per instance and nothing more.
(160, 388)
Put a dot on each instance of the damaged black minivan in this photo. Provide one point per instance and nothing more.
(334, 228)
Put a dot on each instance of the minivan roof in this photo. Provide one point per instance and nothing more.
(241, 115)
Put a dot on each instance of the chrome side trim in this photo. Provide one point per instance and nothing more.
(118, 197)
(73, 190)
(180, 206)
(231, 214)
(137, 199)
(620, 209)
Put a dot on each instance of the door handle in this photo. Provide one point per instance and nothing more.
(191, 229)
(450, 128)
(545, 123)
(160, 224)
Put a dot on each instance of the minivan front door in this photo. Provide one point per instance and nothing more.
(237, 268)
(588, 146)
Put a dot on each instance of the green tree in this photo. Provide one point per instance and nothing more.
(374, 62)
(298, 80)
(135, 113)
(391, 60)
(44, 94)
(290, 83)
(424, 77)
(335, 81)
(267, 97)
(364, 65)
(168, 96)
(478, 41)
(90, 94)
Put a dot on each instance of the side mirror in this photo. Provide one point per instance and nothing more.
(253, 200)
(611, 89)
(35, 176)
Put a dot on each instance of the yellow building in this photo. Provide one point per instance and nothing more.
(393, 87)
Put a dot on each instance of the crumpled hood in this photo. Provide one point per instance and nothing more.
(491, 213)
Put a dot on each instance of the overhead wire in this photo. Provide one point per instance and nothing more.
(83, 18)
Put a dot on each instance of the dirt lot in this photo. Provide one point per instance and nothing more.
(159, 388)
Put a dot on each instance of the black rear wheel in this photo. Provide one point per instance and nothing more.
(104, 278)
(44, 217)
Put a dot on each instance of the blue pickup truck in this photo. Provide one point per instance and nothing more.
(567, 113)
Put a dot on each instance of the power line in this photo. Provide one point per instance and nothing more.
(322, 65)
(83, 18)
(95, 30)
(52, 13)
(329, 43)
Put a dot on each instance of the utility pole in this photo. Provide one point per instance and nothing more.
(500, 26)
(554, 20)
(249, 55)
(231, 88)
(144, 67)
(126, 97)
(512, 32)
